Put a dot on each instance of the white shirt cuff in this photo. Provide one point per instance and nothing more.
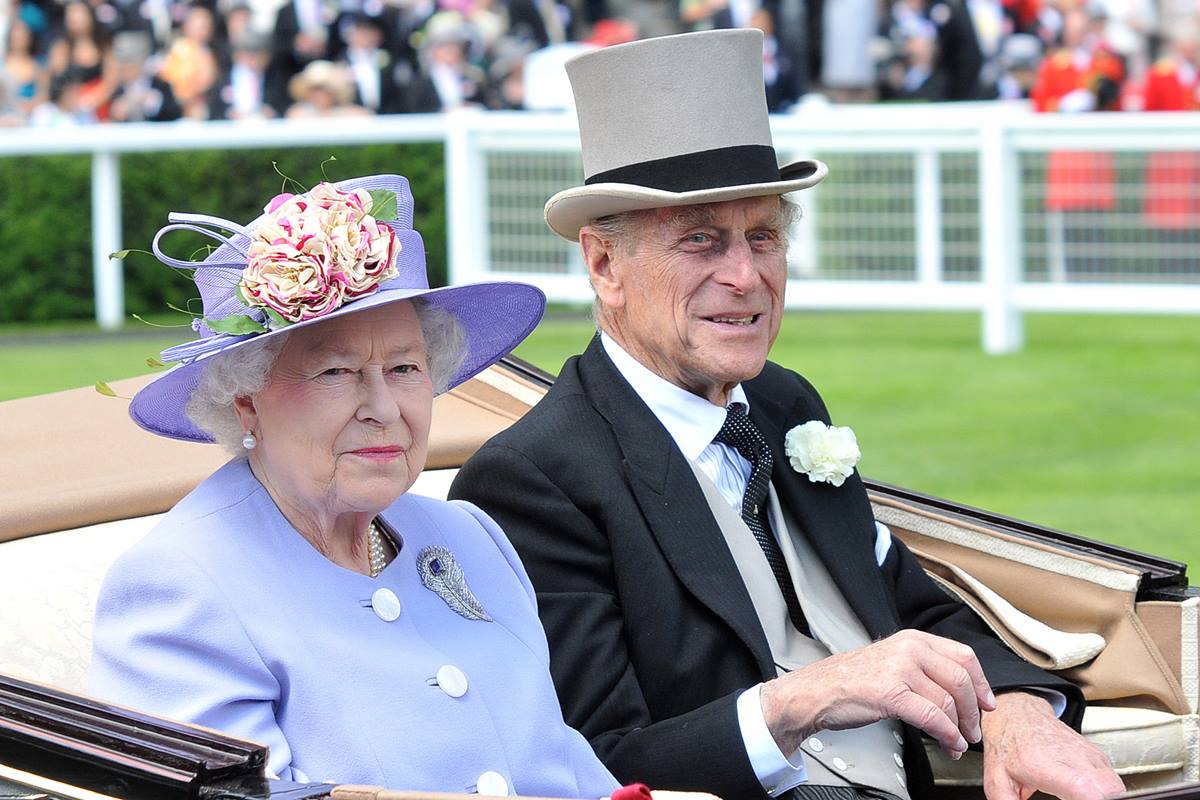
(1056, 699)
(776, 772)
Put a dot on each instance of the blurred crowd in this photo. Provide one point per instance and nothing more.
(68, 62)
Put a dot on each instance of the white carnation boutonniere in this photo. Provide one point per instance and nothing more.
(823, 452)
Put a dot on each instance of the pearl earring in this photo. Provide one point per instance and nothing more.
(249, 441)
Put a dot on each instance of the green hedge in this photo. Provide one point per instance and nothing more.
(45, 217)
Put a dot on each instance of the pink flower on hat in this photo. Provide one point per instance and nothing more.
(316, 251)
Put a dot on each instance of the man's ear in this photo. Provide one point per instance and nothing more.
(598, 256)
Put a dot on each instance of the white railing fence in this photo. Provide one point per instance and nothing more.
(976, 207)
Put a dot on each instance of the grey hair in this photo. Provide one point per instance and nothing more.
(247, 369)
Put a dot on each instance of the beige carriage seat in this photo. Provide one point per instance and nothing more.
(1138, 662)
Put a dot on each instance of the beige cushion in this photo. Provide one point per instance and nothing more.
(1146, 747)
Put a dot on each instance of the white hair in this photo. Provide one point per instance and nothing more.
(247, 369)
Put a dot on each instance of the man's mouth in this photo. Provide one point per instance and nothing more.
(747, 320)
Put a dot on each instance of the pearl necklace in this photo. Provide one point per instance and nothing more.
(377, 551)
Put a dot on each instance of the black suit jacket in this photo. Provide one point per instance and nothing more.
(652, 632)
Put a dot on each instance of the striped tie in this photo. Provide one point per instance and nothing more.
(741, 434)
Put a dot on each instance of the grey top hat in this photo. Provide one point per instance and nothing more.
(673, 121)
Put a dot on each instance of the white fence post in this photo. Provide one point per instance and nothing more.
(927, 209)
(107, 273)
(999, 204)
(466, 202)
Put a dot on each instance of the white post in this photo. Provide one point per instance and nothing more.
(927, 208)
(466, 217)
(1003, 328)
(107, 273)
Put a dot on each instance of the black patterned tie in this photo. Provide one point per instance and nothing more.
(741, 434)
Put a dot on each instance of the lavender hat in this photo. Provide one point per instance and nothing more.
(495, 316)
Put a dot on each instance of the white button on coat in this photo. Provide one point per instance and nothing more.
(898, 737)
(900, 779)
(840, 764)
(899, 761)
(386, 605)
(816, 744)
(452, 681)
(492, 784)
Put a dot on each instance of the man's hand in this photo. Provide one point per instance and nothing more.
(931, 683)
(1026, 750)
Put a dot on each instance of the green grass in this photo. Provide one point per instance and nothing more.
(1093, 428)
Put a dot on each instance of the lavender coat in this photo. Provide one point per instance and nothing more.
(226, 617)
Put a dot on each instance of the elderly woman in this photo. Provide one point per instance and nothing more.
(299, 596)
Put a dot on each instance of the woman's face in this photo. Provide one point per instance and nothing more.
(343, 423)
(20, 38)
(78, 19)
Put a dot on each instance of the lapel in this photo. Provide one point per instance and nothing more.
(672, 502)
(836, 520)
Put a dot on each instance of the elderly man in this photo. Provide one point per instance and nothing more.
(719, 621)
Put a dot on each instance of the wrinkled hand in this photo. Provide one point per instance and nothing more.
(1026, 750)
(931, 683)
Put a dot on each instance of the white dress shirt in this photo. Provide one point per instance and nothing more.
(692, 423)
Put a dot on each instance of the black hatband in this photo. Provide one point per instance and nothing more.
(707, 169)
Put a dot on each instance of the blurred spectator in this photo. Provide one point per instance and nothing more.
(912, 75)
(1080, 74)
(848, 69)
(66, 106)
(191, 66)
(448, 79)
(1020, 56)
(960, 59)
(24, 71)
(80, 56)
(371, 66)
(246, 91)
(140, 96)
(703, 15)
(301, 35)
(536, 23)
(780, 75)
(506, 75)
(1128, 25)
(1172, 203)
(236, 59)
(324, 89)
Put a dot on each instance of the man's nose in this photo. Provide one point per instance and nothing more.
(737, 270)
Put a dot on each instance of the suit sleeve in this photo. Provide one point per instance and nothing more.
(165, 641)
(569, 560)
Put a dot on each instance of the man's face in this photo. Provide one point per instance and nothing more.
(698, 295)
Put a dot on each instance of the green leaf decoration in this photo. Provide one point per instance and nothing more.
(237, 292)
(104, 389)
(236, 324)
(123, 254)
(156, 363)
(383, 204)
